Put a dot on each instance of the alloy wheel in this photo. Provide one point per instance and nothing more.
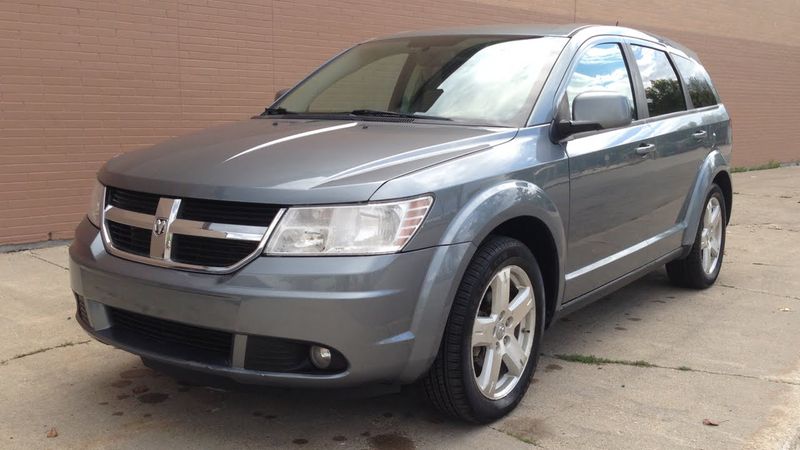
(502, 336)
(711, 236)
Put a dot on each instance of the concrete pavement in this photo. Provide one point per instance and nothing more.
(641, 368)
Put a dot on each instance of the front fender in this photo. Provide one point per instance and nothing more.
(499, 204)
(714, 163)
(502, 202)
(473, 223)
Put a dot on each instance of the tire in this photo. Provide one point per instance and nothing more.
(691, 271)
(452, 383)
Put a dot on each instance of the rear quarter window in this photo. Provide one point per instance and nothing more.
(697, 82)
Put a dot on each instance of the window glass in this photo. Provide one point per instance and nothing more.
(369, 87)
(476, 79)
(661, 86)
(697, 82)
(601, 68)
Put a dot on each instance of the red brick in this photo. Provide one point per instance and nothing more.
(83, 80)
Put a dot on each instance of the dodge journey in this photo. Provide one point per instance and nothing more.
(417, 210)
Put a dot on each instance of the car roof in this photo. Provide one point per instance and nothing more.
(568, 30)
(533, 29)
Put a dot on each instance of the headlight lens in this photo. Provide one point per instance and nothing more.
(96, 203)
(349, 230)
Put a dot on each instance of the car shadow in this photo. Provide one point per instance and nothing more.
(600, 326)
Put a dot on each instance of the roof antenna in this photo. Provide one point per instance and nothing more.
(616, 24)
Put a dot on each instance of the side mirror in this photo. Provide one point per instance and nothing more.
(280, 93)
(594, 111)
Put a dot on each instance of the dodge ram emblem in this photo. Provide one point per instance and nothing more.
(159, 226)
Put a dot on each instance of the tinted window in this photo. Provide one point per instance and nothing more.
(697, 82)
(601, 68)
(661, 86)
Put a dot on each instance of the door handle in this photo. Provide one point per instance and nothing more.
(699, 134)
(645, 149)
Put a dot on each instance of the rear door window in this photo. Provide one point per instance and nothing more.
(697, 82)
(601, 68)
(661, 86)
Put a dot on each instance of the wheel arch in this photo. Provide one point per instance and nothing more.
(723, 180)
(714, 169)
(535, 234)
(523, 211)
(506, 209)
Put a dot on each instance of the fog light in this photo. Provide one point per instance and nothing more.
(320, 356)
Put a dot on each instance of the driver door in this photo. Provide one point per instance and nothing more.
(610, 212)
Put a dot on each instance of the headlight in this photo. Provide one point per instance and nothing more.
(96, 201)
(348, 230)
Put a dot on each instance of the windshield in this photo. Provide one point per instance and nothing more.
(486, 80)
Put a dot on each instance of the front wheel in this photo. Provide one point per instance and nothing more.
(700, 268)
(491, 341)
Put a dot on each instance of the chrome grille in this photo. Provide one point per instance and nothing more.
(133, 201)
(130, 239)
(209, 251)
(192, 234)
(252, 214)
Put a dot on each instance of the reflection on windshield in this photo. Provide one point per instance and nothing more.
(474, 79)
(495, 82)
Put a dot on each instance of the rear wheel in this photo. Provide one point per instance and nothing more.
(491, 342)
(700, 268)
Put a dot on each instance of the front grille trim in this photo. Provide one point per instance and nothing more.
(202, 250)
(160, 255)
(234, 213)
(140, 202)
(129, 238)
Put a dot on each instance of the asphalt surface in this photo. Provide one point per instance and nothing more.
(672, 359)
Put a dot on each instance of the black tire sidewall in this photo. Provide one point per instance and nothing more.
(514, 253)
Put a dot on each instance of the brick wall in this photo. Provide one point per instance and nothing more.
(83, 80)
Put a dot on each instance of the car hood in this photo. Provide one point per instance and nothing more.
(294, 161)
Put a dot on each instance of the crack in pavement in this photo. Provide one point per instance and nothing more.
(35, 256)
(771, 226)
(42, 350)
(648, 365)
(780, 196)
(758, 291)
(756, 263)
(520, 438)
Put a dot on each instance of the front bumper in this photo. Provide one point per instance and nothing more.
(384, 313)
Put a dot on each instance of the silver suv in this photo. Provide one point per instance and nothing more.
(418, 209)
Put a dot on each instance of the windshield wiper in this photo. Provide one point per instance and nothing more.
(276, 112)
(279, 111)
(379, 113)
